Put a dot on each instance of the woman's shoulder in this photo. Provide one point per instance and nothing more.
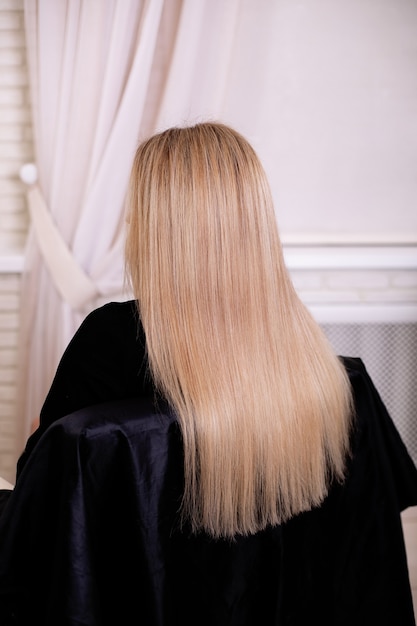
(357, 372)
(113, 319)
(376, 438)
(114, 310)
(353, 365)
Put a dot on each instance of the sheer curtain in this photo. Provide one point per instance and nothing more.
(89, 65)
(103, 75)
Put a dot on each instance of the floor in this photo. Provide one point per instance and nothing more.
(409, 518)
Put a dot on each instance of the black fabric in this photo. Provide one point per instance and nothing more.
(4, 497)
(90, 535)
(104, 361)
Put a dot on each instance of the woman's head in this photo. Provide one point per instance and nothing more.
(262, 401)
(201, 217)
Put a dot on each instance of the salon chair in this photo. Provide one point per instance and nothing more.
(92, 536)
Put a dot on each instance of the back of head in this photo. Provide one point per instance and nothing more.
(262, 401)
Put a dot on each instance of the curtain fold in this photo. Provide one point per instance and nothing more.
(89, 66)
(200, 65)
(74, 285)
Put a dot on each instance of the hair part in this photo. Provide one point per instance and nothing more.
(263, 403)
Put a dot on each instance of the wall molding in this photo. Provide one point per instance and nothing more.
(364, 313)
(352, 257)
(349, 239)
(305, 257)
(11, 263)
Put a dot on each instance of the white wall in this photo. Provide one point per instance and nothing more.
(15, 125)
(338, 130)
(15, 149)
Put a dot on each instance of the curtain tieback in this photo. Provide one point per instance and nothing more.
(74, 285)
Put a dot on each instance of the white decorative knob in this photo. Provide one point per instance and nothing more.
(29, 173)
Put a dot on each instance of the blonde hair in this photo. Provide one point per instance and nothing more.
(263, 403)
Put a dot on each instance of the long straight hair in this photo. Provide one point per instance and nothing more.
(263, 403)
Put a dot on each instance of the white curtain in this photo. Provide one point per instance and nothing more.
(103, 75)
(89, 65)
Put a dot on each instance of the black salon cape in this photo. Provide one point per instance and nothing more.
(90, 535)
